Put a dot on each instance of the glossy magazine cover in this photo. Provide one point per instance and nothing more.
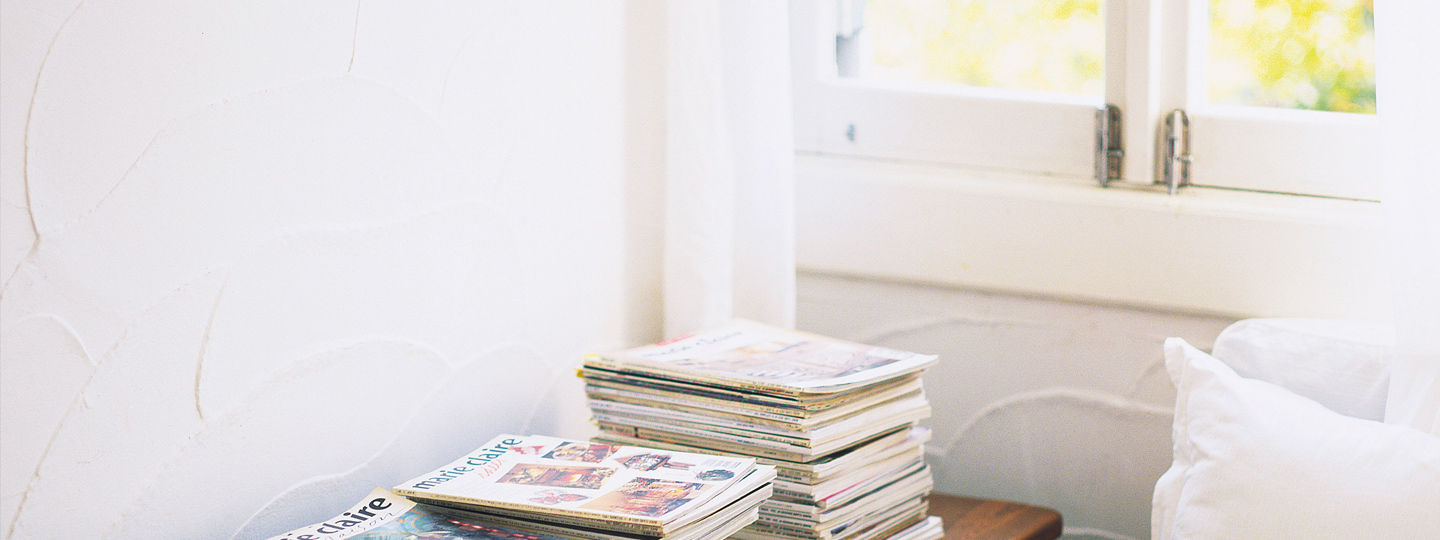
(383, 515)
(595, 484)
(761, 357)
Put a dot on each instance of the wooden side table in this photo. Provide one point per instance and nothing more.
(968, 518)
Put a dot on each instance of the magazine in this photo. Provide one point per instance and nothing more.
(721, 521)
(749, 355)
(704, 436)
(616, 412)
(897, 465)
(930, 529)
(383, 515)
(882, 502)
(629, 489)
(746, 412)
(872, 525)
(829, 467)
(916, 481)
(743, 397)
(837, 419)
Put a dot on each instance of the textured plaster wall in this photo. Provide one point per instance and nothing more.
(259, 257)
(1062, 404)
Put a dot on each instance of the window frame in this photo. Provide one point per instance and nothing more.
(1219, 251)
(871, 119)
(1154, 56)
(1259, 148)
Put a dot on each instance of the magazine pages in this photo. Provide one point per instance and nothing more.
(759, 357)
(618, 488)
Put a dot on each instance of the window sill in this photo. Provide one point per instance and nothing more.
(1204, 250)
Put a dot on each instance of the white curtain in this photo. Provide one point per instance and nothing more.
(1408, 77)
(729, 217)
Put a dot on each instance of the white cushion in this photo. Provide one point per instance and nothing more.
(1253, 460)
(1343, 365)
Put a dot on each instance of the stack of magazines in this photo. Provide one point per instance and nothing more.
(837, 419)
(545, 488)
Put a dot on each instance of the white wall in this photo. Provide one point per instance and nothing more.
(1062, 404)
(259, 257)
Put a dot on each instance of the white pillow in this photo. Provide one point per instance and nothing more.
(1255, 461)
(1343, 365)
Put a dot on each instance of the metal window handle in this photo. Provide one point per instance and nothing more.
(1177, 151)
(1109, 153)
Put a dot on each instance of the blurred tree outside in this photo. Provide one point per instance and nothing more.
(1049, 46)
(1305, 54)
(1301, 54)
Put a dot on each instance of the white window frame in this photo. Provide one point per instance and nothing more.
(1032, 221)
(1258, 148)
(933, 124)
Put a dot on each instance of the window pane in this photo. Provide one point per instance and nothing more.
(1299, 54)
(1043, 45)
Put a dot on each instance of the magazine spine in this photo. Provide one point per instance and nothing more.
(771, 528)
(790, 508)
(782, 521)
(784, 511)
(791, 492)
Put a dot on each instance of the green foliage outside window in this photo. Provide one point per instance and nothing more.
(1307, 54)
(1052, 46)
(1303, 54)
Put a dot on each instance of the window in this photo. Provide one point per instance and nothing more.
(922, 120)
(1031, 74)
(903, 174)
(1295, 61)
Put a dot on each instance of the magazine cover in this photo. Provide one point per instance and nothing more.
(759, 357)
(592, 484)
(383, 515)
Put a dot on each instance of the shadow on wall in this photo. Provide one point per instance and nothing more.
(1061, 404)
(466, 409)
(1088, 453)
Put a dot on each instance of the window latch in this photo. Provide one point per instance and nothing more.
(1109, 153)
(1177, 151)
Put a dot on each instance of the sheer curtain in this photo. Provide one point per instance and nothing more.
(1408, 78)
(729, 218)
